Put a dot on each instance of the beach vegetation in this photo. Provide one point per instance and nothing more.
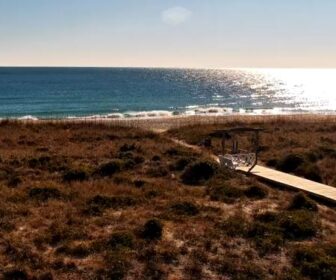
(256, 192)
(101, 201)
(198, 173)
(152, 230)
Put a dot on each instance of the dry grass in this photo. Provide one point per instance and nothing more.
(76, 200)
(312, 140)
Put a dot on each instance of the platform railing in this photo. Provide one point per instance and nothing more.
(233, 161)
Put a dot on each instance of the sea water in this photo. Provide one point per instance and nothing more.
(141, 92)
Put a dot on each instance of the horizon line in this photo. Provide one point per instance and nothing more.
(164, 67)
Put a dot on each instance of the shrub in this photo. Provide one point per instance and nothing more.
(75, 175)
(235, 226)
(45, 276)
(272, 163)
(157, 171)
(39, 162)
(121, 240)
(152, 230)
(47, 163)
(197, 173)
(152, 194)
(78, 251)
(290, 163)
(139, 183)
(118, 266)
(269, 244)
(298, 225)
(153, 271)
(59, 233)
(256, 192)
(302, 202)
(310, 172)
(14, 181)
(173, 152)
(185, 209)
(129, 160)
(314, 263)
(180, 164)
(266, 233)
(225, 193)
(6, 224)
(206, 142)
(109, 168)
(127, 148)
(99, 203)
(246, 271)
(44, 194)
(15, 274)
(156, 158)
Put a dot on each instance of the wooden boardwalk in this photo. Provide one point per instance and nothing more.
(292, 181)
(273, 176)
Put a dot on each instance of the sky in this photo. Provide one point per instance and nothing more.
(168, 33)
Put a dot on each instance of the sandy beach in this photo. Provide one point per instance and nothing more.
(169, 122)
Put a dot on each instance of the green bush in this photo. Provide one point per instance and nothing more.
(302, 202)
(198, 173)
(152, 230)
(256, 192)
(185, 209)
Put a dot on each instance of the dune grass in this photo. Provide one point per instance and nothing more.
(94, 201)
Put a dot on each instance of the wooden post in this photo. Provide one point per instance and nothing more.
(256, 151)
(223, 145)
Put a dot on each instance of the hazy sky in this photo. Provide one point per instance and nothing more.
(168, 33)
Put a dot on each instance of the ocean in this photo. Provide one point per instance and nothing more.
(38, 93)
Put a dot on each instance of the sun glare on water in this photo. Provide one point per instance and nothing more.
(313, 89)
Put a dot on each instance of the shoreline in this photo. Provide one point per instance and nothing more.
(171, 122)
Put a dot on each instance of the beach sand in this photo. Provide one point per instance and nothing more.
(170, 122)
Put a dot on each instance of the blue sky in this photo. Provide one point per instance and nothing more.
(168, 33)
